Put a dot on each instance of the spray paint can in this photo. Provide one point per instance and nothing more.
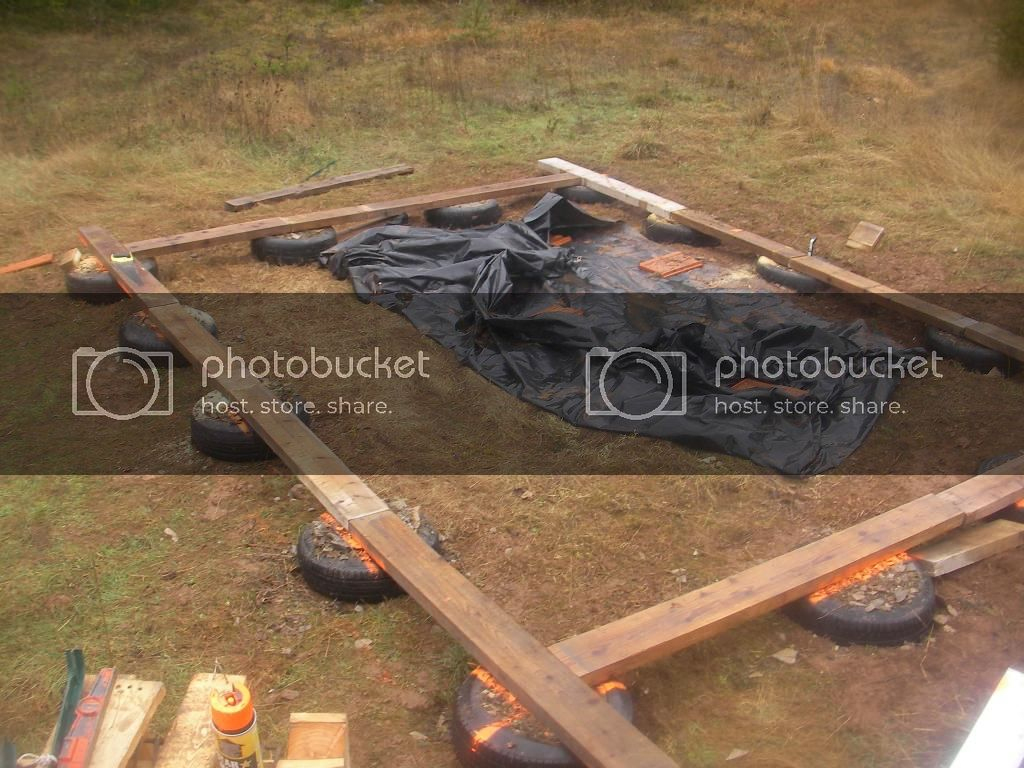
(234, 723)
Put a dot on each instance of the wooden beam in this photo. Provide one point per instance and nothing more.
(664, 629)
(988, 335)
(279, 225)
(588, 727)
(317, 187)
(969, 546)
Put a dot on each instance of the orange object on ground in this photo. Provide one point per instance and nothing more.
(78, 745)
(559, 240)
(234, 721)
(743, 384)
(35, 261)
(671, 264)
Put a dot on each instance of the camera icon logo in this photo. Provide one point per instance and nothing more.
(155, 368)
(665, 372)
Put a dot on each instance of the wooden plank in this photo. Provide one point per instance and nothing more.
(997, 738)
(664, 629)
(279, 225)
(35, 261)
(969, 546)
(118, 259)
(318, 735)
(131, 707)
(865, 236)
(312, 762)
(982, 333)
(580, 718)
(317, 187)
(190, 741)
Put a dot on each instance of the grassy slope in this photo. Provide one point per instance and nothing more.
(789, 118)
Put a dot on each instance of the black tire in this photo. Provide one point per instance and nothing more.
(466, 215)
(351, 579)
(662, 231)
(787, 278)
(507, 747)
(137, 334)
(101, 287)
(581, 194)
(226, 440)
(971, 356)
(845, 624)
(995, 462)
(294, 251)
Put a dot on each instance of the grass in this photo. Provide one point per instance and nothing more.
(788, 119)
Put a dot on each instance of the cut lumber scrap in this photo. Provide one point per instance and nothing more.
(318, 736)
(190, 741)
(997, 738)
(865, 236)
(663, 629)
(322, 762)
(982, 333)
(280, 225)
(573, 711)
(317, 187)
(35, 261)
(131, 707)
(969, 546)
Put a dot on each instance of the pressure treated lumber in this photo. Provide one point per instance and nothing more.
(280, 225)
(317, 187)
(664, 629)
(969, 546)
(585, 724)
(985, 334)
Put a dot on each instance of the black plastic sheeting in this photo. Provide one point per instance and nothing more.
(516, 310)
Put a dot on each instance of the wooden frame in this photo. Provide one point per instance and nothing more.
(552, 683)
(985, 334)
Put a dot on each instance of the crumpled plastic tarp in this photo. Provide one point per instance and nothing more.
(514, 309)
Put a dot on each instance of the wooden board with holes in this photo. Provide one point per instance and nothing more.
(985, 334)
(316, 187)
(131, 707)
(968, 546)
(581, 719)
(668, 627)
(280, 225)
(190, 742)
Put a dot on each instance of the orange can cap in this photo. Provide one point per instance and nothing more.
(231, 711)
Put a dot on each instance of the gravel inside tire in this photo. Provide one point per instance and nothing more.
(664, 231)
(581, 194)
(139, 333)
(222, 437)
(971, 356)
(888, 605)
(333, 565)
(95, 285)
(465, 216)
(294, 249)
(787, 278)
(481, 703)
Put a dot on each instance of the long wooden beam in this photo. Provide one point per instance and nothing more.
(985, 334)
(317, 187)
(668, 627)
(591, 729)
(279, 225)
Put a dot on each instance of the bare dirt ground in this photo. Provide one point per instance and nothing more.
(788, 120)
